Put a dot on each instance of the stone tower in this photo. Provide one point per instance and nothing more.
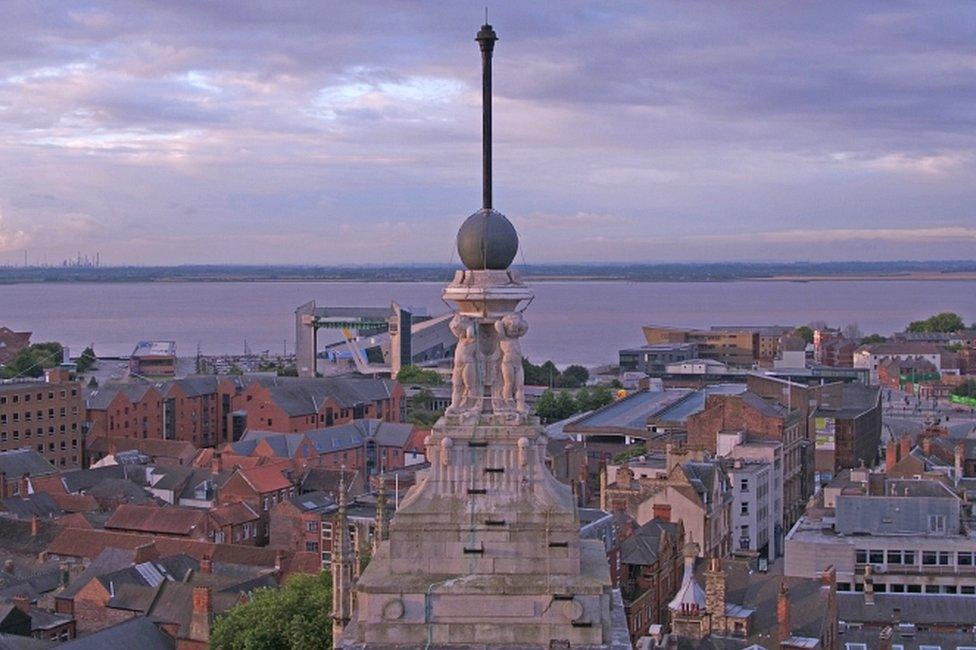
(485, 549)
(342, 568)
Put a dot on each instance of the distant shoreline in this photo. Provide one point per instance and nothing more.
(951, 271)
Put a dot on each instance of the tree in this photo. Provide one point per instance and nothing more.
(852, 331)
(546, 407)
(418, 409)
(293, 617)
(415, 375)
(573, 376)
(565, 405)
(965, 389)
(805, 333)
(870, 339)
(86, 360)
(592, 399)
(32, 361)
(946, 321)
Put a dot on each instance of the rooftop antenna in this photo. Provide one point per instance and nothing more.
(486, 39)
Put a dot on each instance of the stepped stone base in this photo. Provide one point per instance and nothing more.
(485, 552)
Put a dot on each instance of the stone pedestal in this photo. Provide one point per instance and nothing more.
(485, 549)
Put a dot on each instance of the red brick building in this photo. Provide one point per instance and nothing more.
(760, 419)
(646, 565)
(261, 488)
(47, 415)
(194, 409)
(234, 523)
(369, 445)
(12, 343)
(291, 404)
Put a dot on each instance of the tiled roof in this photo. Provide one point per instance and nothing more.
(152, 447)
(266, 478)
(84, 479)
(170, 520)
(74, 502)
(233, 514)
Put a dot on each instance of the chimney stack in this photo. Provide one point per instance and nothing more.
(8, 566)
(25, 486)
(35, 525)
(202, 614)
(65, 574)
(145, 553)
(783, 612)
(884, 638)
(868, 586)
(715, 595)
(959, 455)
(3, 485)
(22, 603)
(904, 446)
(891, 455)
(279, 561)
(206, 564)
(926, 445)
(216, 463)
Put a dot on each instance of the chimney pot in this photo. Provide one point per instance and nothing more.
(206, 564)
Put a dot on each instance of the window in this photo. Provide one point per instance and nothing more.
(929, 558)
(876, 556)
(937, 523)
(964, 558)
(312, 526)
(913, 589)
(744, 508)
(898, 588)
(931, 589)
(744, 485)
(908, 557)
(312, 547)
(968, 590)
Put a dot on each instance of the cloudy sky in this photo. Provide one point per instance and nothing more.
(349, 132)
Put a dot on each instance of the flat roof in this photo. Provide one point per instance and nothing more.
(155, 349)
(632, 411)
(695, 402)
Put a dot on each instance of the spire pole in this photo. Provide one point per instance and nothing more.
(486, 40)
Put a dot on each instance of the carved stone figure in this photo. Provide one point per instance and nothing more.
(466, 387)
(510, 328)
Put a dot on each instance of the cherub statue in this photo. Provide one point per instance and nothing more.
(510, 327)
(466, 388)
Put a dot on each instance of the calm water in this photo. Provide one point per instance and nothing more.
(584, 322)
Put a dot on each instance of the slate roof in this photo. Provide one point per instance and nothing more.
(760, 591)
(122, 490)
(328, 439)
(15, 536)
(139, 632)
(313, 502)
(83, 480)
(17, 462)
(101, 398)
(37, 504)
(643, 545)
(928, 609)
(105, 561)
(305, 395)
(14, 642)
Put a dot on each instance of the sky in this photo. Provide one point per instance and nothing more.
(332, 132)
